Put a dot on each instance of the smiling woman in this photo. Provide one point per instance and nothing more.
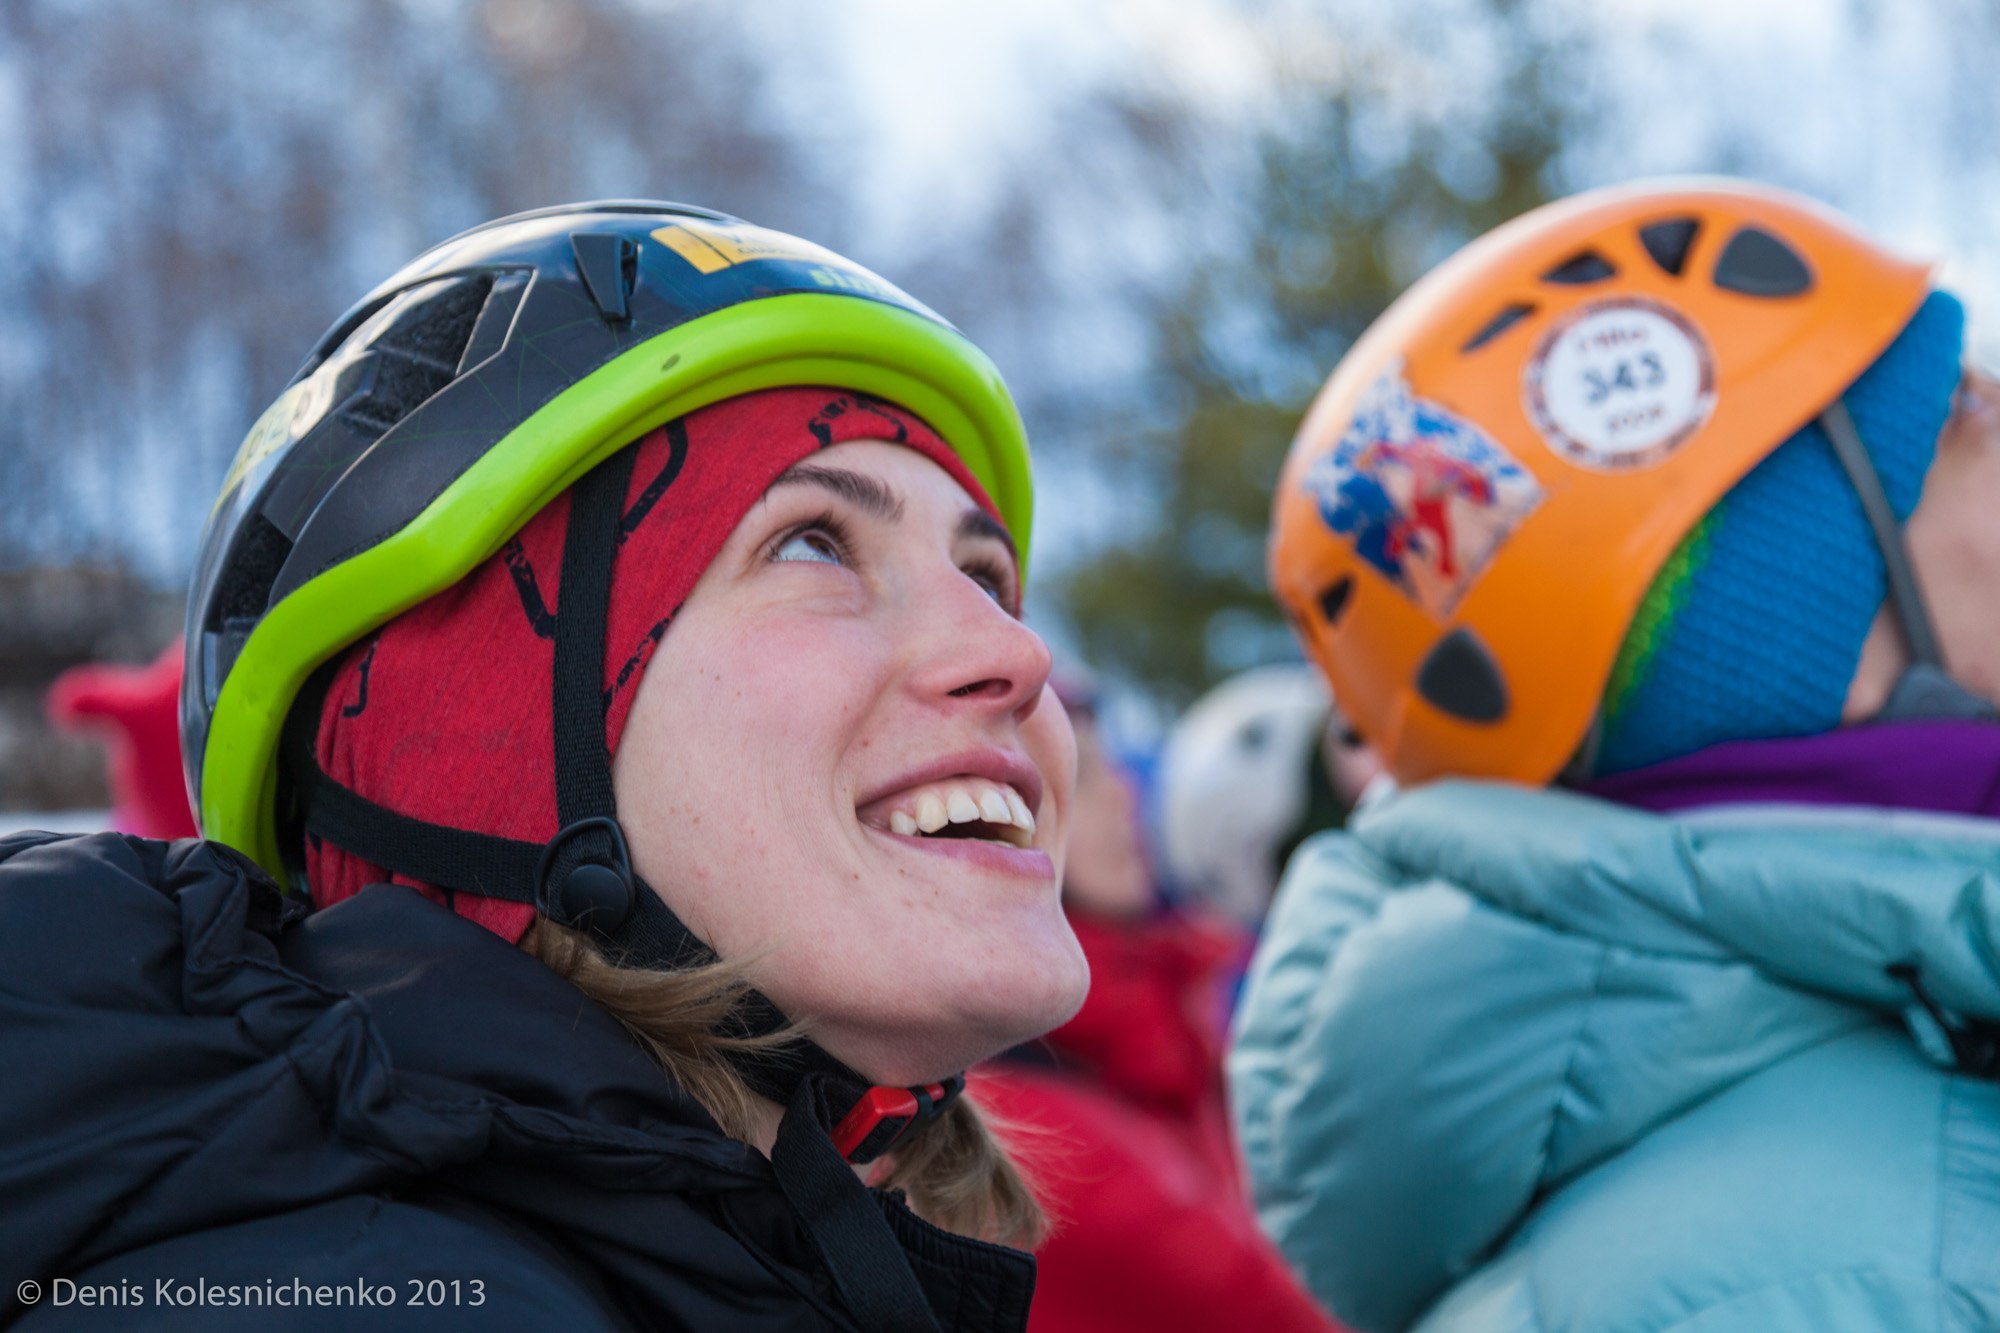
(661, 616)
(850, 656)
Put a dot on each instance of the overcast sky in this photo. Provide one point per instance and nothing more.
(1876, 106)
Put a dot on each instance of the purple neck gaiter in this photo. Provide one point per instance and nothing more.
(1946, 767)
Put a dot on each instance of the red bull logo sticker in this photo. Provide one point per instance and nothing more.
(1620, 384)
(1425, 496)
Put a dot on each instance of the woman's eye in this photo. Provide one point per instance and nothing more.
(812, 546)
(994, 584)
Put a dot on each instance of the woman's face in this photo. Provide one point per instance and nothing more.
(844, 766)
(1955, 538)
(1954, 544)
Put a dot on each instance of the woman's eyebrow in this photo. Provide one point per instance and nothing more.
(979, 523)
(863, 492)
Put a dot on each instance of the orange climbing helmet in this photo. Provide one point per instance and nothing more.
(1483, 492)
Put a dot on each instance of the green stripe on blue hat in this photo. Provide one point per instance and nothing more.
(1753, 627)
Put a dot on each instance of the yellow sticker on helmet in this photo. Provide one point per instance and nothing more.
(712, 247)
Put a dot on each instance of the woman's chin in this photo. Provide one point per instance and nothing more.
(1028, 1004)
(957, 1032)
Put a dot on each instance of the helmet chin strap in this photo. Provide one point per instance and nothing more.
(1924, 690)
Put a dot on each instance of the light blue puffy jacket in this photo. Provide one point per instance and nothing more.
(1514, 1059)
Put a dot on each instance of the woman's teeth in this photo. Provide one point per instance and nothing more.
(999, 811)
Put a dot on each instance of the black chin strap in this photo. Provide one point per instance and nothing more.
(868, 1266)
(583, 878)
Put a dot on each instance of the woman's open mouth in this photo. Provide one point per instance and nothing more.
(976, 806)
(964, 807)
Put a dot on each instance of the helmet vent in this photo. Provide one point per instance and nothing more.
(1581, 269)
(1508, 317)
(385, 371)
(1459, 678)
(609, 264)
(1669, 241)
(245, 588)
(1756, 263)
(1334, 600)
(417, 355)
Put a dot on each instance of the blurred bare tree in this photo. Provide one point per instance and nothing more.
(1400, 141)
(193, 192)
(190, 193)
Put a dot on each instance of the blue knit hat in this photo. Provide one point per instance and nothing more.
(1753, 627)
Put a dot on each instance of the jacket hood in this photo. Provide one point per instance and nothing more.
(195, 1057)
(1825, 898)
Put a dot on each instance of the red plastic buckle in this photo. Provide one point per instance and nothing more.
(879, 1119)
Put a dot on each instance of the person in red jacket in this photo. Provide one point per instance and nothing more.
(135, 711)
(1118, 1115)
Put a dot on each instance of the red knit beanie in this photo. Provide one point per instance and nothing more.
(445, 714)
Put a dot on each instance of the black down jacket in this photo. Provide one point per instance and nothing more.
(378, 1116)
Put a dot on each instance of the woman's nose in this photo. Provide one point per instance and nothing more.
(977, 652)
